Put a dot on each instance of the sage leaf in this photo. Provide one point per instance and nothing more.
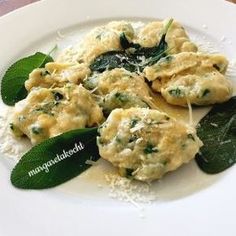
(125, 43)
(133, 60)
(217, 130)
(56, 160)
(12, 87)
(154, 54)
(113, 59)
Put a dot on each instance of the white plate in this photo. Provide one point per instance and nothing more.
(189, 202)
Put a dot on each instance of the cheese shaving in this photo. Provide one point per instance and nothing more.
(190, 112)
(90, 162)
(137, 127)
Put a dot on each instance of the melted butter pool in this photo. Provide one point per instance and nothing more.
(180, 113)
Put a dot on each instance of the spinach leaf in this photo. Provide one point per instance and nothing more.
(12, 87)
(217, 130)
(132, 60)
(56, 160)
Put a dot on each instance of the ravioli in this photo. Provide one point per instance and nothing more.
(121, 99)
(191, 77)
(99, 40)
(176, 38)
(146, 143)
(56, 75)
(46, 113)
(120, 81)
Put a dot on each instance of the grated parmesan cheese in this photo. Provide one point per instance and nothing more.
(137, 127)
(213, 124)
(11, 146)
(205, 46)
(226, 141)
(130, 191)
(90, 162)
(231, 70)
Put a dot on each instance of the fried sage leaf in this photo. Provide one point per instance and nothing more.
(125, 43)
(217, 130)
(114, 59)
(56, 160)
(135, 59)
(13, 82)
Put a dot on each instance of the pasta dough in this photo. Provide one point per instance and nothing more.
(146, 143)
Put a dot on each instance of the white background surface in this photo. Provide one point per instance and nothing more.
(190, 202)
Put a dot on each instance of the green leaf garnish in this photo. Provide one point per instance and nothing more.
(56, 160)
(205, 92)
(125, 43)
(13, 82)
(114, 59)
(134, 60)
(154, 54)
(217, 130)
(150, 149)
(176, 93)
